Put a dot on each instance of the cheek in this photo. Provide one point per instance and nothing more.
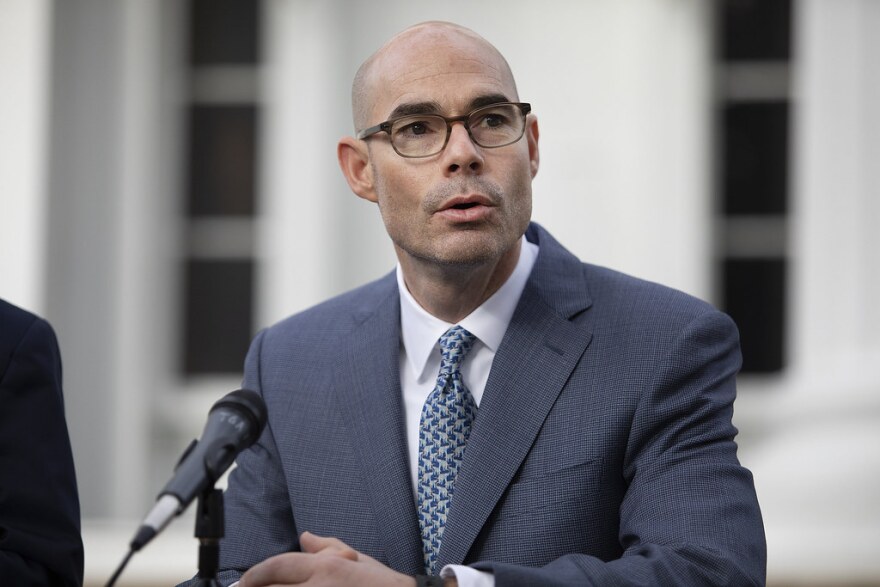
(519, 186)
(398, 193)
(399, 206)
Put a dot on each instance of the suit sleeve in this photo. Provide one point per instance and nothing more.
(690, 515)
(40, 541)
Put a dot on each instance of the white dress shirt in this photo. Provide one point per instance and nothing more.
(420, 363)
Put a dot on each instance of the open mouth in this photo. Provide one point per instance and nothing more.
(466, 208)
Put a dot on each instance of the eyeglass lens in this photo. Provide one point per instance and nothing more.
(424, 135)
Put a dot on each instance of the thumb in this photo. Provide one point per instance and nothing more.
(315, 544)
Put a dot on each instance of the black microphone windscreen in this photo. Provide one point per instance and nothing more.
(251, 405)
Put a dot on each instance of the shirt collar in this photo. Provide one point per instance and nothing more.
(420, 330)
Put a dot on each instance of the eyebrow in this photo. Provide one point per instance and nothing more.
(488, 100)
(431, 107)
(408, 109)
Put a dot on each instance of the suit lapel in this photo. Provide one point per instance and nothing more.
(368, 390)
(538, 353)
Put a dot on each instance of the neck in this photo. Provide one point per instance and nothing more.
(452, 292)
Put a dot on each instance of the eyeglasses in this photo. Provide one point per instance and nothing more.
(423, 135)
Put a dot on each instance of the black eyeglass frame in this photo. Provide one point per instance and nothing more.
(524, 108)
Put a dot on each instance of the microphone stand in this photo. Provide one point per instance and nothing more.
(209, 531)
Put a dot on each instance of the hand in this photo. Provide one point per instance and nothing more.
(323, 562)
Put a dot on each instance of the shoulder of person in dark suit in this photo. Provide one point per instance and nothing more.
(40, 540)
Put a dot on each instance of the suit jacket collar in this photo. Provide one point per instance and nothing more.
(367, 386)
(558, 276)
(539, 351)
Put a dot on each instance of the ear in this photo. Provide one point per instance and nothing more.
(354, 160)
(532, 140)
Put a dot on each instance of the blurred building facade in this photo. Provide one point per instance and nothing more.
(170, 186)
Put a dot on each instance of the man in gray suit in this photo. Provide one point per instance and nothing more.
(494, 411)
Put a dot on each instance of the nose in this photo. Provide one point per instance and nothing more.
(461, 154)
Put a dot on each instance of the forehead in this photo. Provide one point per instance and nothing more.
(448, 67)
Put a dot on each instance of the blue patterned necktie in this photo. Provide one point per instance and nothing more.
(446, 422)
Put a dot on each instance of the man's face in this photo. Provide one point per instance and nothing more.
(467, 205)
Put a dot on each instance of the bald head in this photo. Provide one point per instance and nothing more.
(403, 51)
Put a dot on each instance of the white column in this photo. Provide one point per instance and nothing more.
(817, 466)
(24, 73)
(111, 250)
(145, 264)
(622, 92)
(303, 241)
(837, 211)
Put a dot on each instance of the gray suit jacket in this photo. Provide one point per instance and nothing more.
(603, 452)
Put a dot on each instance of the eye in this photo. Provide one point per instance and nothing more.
(491, 120)
(495, 120)
(415, 128)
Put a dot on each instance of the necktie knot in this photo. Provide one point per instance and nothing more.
(454, 345)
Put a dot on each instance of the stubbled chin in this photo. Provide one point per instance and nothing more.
(464, 247)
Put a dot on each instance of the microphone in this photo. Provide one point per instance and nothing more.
(234, 423)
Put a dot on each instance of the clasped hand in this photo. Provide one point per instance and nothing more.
(323, 562)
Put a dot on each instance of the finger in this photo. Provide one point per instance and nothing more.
(290, 568)
(326, 545)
